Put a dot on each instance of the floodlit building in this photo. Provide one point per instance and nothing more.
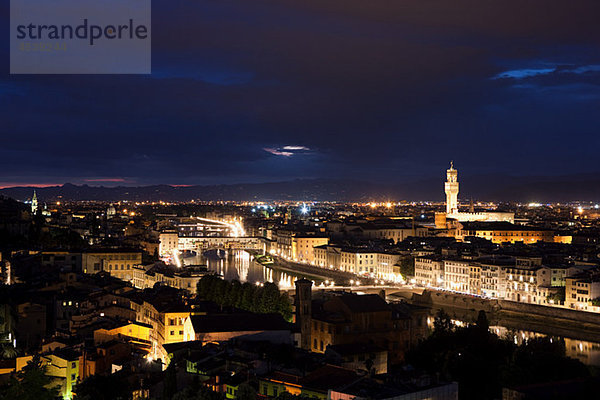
(169, 242)
(581, 289)
(456, 275)
(429, 271)
(118, 263)
(185, 278)
(523, 285)
(303, 247)
(452, 206)
(503, 232)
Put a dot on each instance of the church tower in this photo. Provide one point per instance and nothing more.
(34, 203)
(451, 190)
(304, 310)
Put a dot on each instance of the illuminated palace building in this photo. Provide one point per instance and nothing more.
(452, 211)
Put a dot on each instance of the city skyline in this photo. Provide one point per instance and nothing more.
(300, 200)
(489, 188)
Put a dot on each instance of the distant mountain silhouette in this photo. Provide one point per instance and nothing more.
(488, 187)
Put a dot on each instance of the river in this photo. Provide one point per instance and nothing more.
(238, 265)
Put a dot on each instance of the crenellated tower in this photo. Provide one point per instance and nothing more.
(451, 187)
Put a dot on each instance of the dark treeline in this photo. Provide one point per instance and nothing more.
(483, 363)
(246, 296)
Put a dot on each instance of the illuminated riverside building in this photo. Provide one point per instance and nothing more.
(523, 280)
(475, 279)
(581, 289)
(303, 247)
(171, 242)
(485, 276)
(525, 285)
(358, 261)
(429, 271)
(451, 188)
(456, 275)
(202, 234)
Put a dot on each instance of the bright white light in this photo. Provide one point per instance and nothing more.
(176, 258)
(304, 210)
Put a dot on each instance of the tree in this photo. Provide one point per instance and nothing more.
(407, 267)
(259, 299)
(8, 351)
(558, 296)
(247, 296)
(482, 322)
(31, 383)
(285, 307)
(269, 301)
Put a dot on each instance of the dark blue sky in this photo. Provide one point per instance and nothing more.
(254, 91)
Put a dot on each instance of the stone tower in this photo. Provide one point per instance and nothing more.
(451, 190)
(34, 203)
(304, 310)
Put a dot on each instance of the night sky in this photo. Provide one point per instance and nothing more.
(258, 90)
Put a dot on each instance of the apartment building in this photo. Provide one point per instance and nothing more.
(117, 262)
(303, 246)
(429, 270)
(581, 289)
(156, 307)
(526, 284)
(456, 275)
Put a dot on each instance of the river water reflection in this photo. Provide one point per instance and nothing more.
(239, 265)
(586, 352)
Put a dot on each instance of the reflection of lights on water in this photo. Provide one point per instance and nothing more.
(176, 258)
(286, 281)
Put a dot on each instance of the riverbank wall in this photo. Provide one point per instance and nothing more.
(552, 321)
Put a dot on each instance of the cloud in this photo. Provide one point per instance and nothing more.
(278, 152)
(287, 151)
(533, 72)
(296, 148)
(382, 90)
(523, 73)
